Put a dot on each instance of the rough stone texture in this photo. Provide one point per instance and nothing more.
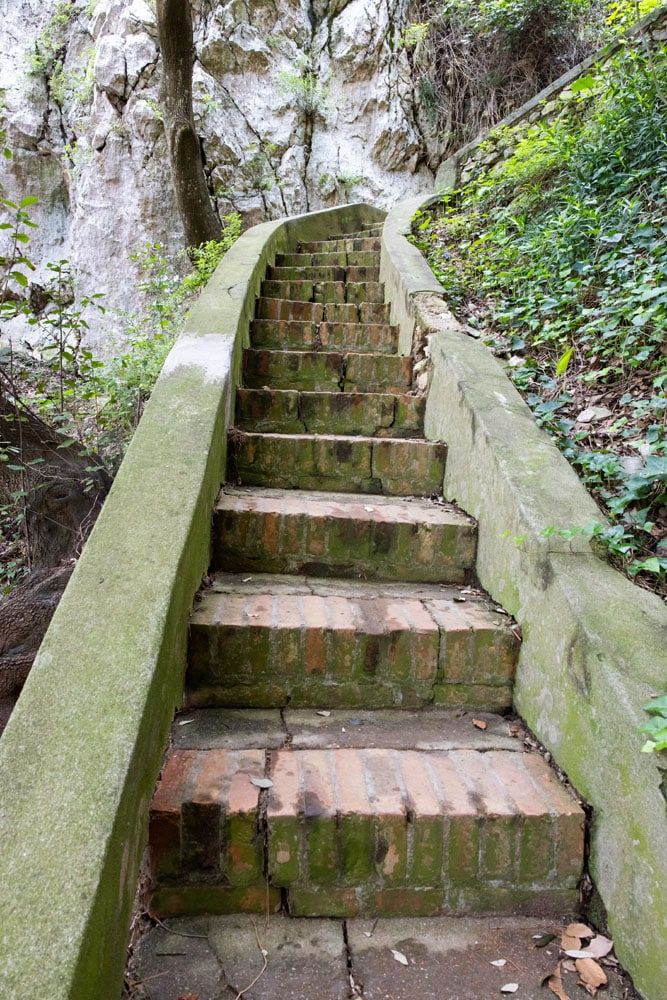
(595, 657)
(99, 162)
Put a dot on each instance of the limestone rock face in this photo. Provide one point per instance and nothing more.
(299, 105)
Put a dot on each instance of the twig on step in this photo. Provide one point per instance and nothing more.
(259, 975)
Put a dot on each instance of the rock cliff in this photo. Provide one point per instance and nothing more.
(300, 104)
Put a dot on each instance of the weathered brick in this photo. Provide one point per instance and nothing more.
(310, 643)
(313, 370)
(325, 273)
(478, 646)
(302, 291)
(277, 309)
(399, 465)
(323, 901)
(165, 814)
(284, 532)
(377, 373)
(393, 466)
(190, 900)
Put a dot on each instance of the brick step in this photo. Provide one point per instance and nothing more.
(336, 258)
(318, 312)
(298, 290)
(342, 535)
(346, 831)
(293, 335)
(326, 370)
(350, 244)
(272, 641)
(288, 411)
(325, 274)
(392, 466)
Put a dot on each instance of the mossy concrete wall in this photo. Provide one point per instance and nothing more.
(82, 751)
(594, 645)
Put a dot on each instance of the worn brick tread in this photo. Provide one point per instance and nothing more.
(317, 312)
(317, 291)
(345, 535)
(350, 244)
(392, 466)
(295, 335)
(371, 830)
(326, 370)
(291, 411)
(274, 641)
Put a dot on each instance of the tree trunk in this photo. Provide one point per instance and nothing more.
(200, 222)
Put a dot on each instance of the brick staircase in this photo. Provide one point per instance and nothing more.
(328, 762)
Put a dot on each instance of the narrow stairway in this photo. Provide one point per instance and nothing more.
(328, 763)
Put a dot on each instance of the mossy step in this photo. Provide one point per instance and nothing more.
(336, 258)
(389, 466)
(289, 411)
(363, 244)
(346, 831)
(271, 641)
(318, 312)
(295, 335)
(342, 535)
(324, 291)
(326, 274)
(326, 370)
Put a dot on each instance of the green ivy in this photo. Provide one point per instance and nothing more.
(557, 254)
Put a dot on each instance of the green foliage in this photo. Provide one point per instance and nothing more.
(558, 253)
(305, 91)
(414, 33)
(49, 48)
(93, 402)
(656, 727)
(485, 17)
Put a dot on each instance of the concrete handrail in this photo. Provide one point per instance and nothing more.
(82, 751)
(593, 649)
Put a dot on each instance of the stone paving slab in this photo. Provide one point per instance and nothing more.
(429, 729)
(305, 960)
(448, 959)
(400, 730)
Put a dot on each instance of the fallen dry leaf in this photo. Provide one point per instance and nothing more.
(479, 723)
(509, 988)
(570, 943)
(578, 953)
(499, 962)
(262, 782)
(600, 946)
(555, 984)
(324, 714)
(591, 976)
(399, 957)
(568, 965)
(578, 930)
(188, 996)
